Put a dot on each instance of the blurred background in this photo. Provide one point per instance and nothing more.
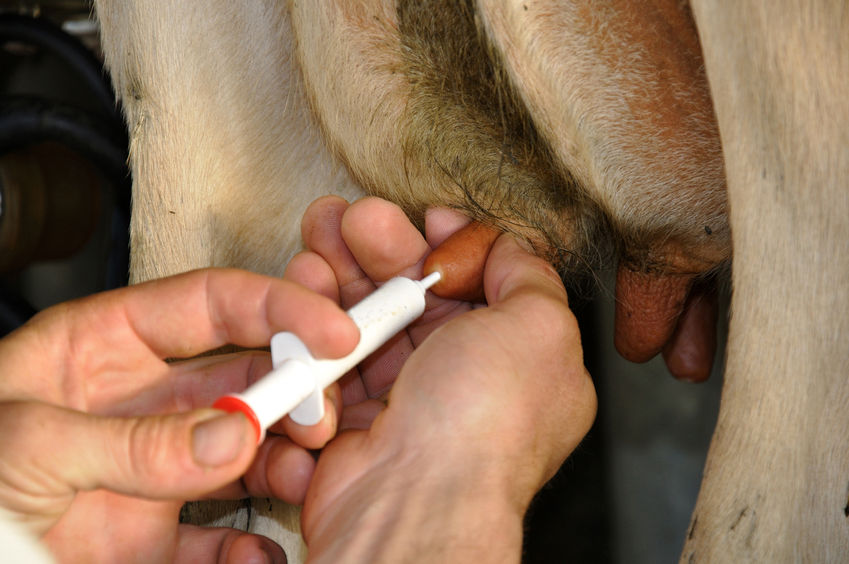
(64, 184)
(626, 494)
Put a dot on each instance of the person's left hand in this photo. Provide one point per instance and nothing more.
(487, 404)
(101, 440)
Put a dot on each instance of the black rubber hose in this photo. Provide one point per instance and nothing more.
(27, 121)
(101, 138)
(43, 33)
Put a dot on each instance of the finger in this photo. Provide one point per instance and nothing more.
(236, 307)
(383, 240)
(322, 233)
(441, 223)
(188, 384)
(529, 315)
(353, 388)
(282, 470)
(315, 436)
(384, 244)
(331, 263)
(179, 456)
(310, 270)
(283, 466)
(512, 268)
(361, 415)
(219, 544)
(187, 314)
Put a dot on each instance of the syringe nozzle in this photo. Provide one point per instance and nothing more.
(430, 279)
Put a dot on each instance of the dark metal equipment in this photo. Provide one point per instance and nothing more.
(63, 148)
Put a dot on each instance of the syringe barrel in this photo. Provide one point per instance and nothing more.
(278, 392)
(379, 316)
(297, 376)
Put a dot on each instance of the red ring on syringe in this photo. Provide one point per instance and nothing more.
(232, 404)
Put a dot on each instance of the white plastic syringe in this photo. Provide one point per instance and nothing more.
(297, 381)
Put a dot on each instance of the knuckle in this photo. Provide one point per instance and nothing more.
(142, 451)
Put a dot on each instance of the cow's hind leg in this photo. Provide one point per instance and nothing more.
(224, 154)
(777, 477)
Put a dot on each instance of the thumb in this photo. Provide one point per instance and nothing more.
(512, 268)
(181, 456)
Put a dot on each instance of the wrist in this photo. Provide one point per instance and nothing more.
(404, 512)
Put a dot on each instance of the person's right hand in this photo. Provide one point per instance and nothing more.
(483, 412)
(102, 440)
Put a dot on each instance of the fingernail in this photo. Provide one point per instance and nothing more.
(219, 440)
(333, 394)
(524, 244)
(274, 553)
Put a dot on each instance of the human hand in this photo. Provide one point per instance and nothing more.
(488, 404)
(101, 440)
